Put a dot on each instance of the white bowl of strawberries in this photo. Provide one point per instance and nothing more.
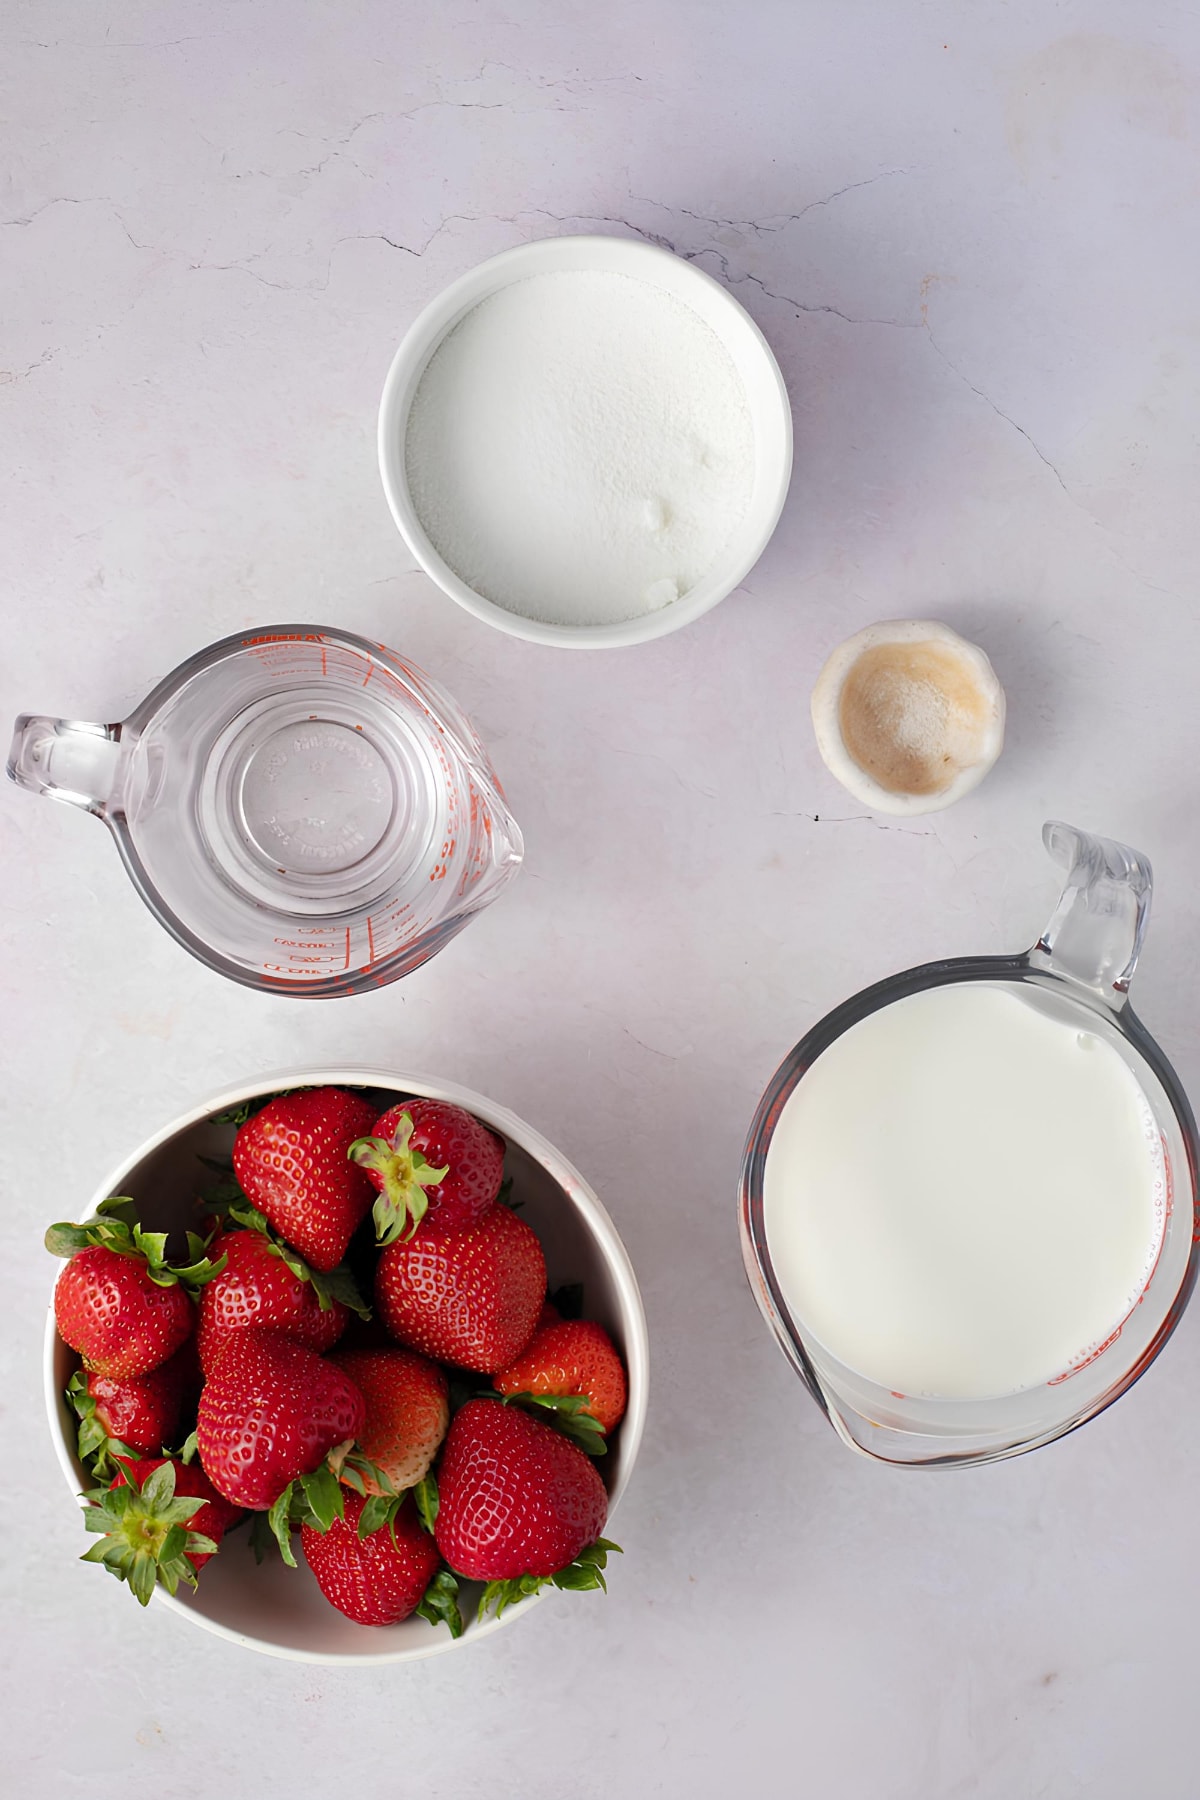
(388, 1397)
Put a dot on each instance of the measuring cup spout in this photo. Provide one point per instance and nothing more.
(66, 759)
(1095, 935)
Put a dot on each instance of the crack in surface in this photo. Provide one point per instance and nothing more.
(772, 222)
(10, 376)
(800, 306)
(851, 819)
(1000, 413)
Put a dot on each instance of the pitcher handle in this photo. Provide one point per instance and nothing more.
(1095, 934)
(66, 759)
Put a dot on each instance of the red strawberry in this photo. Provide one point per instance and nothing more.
(468, 1297)
(291, 1160)
(121, 1322)
(257, 1289)
(142, 1516)
(407, 1412)
(143, 1413)
(515, 1497)
(432, 1161)
(378, 1579)
(271, 1411)
(574, 1356)
(118, 1301)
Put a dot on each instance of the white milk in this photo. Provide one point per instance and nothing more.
(964, 1196)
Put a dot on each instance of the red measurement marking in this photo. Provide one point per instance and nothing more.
(347, 946)
(324, 667)
(283, 637)
(370, 945)
(370, 672)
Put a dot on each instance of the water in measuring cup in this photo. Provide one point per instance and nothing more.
(306, 809)
(964, 1195)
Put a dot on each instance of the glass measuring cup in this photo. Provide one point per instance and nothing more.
(304, 811)
(1079, 972)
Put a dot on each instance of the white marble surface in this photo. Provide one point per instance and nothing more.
(970, 234)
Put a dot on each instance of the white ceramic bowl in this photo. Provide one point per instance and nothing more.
(281, 1611)
(766, 396)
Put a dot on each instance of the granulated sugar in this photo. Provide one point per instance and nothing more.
(580, 448)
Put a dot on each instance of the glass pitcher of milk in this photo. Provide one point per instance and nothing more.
(969, 1195)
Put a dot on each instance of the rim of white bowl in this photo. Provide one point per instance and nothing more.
(417, 347)
(568, 1178)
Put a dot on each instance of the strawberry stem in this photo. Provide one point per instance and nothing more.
(570, 1413)
(145, 1539)
(405, 1175)
(116, 1227)
(440, 1603)
(587, 1571)
(337, 1284)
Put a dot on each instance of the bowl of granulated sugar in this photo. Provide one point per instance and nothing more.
(585, 441)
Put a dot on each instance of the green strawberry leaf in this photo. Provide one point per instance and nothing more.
(425, 1499)
(586, 1572)
(568, 1413)
(120, 1206)
(279, 1520)
(115, 1227)
(323, 1492)
(379, 1510)
(246, 1109)
(262, 1537)
(503, 1594)
(66, 1240)
(338, 1284)
(234, 1115)
(143, 1535)
(191, 1447)
(404, 1174)
(355, 1470)
(440, 1603)
(504, 1196)
(91, 1437)
(152, 1244)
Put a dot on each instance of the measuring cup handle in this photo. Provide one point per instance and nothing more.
(1096, 932)
(66, 759)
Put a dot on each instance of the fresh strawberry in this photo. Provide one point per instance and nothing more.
(270, 1412)
(140, 1414)
(432, 1161)
(119, 1302)
(407, 1412)
(291, 1160)
(518, 1503)
(380, 1577)
(161, 1520)
(574, 1356)
(256, 1288)
(467, 1297)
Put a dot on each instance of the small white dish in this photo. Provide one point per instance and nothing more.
(908, 716)
(766, 398)
(280, 1611)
